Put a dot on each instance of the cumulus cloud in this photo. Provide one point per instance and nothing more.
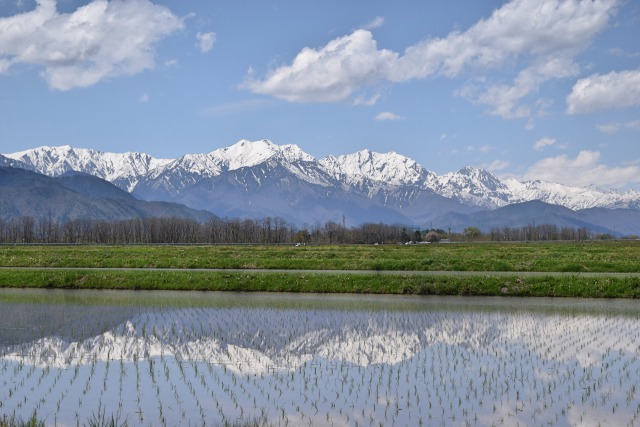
(99, 40)
(542, 143)
(206, 41)
(604, 91)
(330, 74)
(504, 100)
(584, 170)
(560, 27)
(535, 50)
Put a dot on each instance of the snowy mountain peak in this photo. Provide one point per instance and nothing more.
(190, 169)
(570, 197)
(246, 153)
(292, 153)
(391, 168)
(473, 186)
(482, 177)
(122, 169)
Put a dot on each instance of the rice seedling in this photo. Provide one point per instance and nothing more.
(339, 360)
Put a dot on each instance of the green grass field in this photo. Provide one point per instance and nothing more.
(481, 285)
(577, 257)
(612, 256)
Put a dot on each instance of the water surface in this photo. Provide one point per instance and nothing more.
(181, 358)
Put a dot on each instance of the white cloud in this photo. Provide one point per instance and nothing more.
(205, 41)
(620, 52)
(330, 74)
(375, 23)
(97, 41)
(4, 66)
(559, 28)
(144, 98)
(609, 128)
(605, 91)
(583, 171)
(543, 48)
(482, 149)
(387, 115)
(542, 143)
(367, 101)
(504, 99)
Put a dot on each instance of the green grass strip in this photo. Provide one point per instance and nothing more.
(185, 280)
(613, 256)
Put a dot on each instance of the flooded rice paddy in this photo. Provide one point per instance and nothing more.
(168, 358)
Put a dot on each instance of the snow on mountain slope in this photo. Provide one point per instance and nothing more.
(389, 178)
(374, 175)
(477, 187)
(193, 168)
(182, 172)
(472, 186)
(571, 197)
(246, 153)
(12, 163)
(124, 169)
(390, 168)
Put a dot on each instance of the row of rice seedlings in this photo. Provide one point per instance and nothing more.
(504, 389)
(365, 368)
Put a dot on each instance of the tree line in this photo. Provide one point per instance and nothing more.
(30, 230)
(542, 232)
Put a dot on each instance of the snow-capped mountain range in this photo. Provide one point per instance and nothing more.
(121, 169)
(251, 178)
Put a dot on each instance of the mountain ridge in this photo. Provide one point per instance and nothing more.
(260, 178)
(78, 196)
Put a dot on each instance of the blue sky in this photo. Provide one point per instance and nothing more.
(531, 89)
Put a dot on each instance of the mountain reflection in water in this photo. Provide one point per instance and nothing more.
(187, 358)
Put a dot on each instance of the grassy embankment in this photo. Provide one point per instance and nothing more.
(484, 258)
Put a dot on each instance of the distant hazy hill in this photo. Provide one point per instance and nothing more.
(601, 220)
(77, 196)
